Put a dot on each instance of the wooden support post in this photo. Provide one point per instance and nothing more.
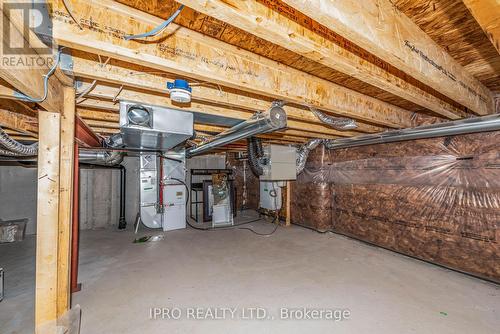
(67, 135)
(47, 222)
(288, 220)
(75, 287)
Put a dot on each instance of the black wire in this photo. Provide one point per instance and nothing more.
(262, 234)
(223, 228)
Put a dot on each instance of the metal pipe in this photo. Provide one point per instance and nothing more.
(469, 125)
(271, 120)
(101, 157)
(122, 223)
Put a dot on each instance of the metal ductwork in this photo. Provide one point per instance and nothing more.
(303, 153)
(339, 123)
(469, 125)
(464, 126)
(255, 153)
(104, 158)
(15, 148)
(149, 127)
(271, 120)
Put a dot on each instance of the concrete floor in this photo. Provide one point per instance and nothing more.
(294, 268)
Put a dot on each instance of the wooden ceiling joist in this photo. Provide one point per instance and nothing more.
(140, 79)
(101, 97)
(484, 13)
(19, 122)
(95, 118)
(256, 18)
(381, 29)
(187, 53)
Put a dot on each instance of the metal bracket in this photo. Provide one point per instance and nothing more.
(278, 103)
(66, 63)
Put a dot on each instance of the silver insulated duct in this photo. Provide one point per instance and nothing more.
(469, 125)
(339, 123)
(303, 153)
(104, 158)
(271, 120)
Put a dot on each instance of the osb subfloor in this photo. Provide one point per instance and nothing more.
(384, 292)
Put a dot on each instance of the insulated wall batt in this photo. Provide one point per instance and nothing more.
(436, 199)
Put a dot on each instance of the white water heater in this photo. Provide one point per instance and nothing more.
(270, 195)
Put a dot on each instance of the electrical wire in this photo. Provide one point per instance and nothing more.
(69, 9)
(25, 97)
(263, 234)
(159, 28)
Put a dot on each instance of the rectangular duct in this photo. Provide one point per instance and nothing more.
(152, 127)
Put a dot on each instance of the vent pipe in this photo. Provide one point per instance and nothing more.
(463, 126)
(271, 120)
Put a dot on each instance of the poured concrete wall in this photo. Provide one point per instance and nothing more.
(99, 195)
(99, 198)
(18, 194)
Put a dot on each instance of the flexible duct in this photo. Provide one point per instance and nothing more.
(6, 153)
(255, 152)
(339, 123)
(15, 147)
(303, 153)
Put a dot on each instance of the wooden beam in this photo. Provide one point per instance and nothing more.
(187, 53)
(380, 28)
(111, 120)
(154, 82)
(28, 79)
(257, 19)
(47, 222)
(20, 122)
(484, 13)
(104, 122)
(66, 167)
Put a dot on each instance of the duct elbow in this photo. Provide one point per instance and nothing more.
(303, 153)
